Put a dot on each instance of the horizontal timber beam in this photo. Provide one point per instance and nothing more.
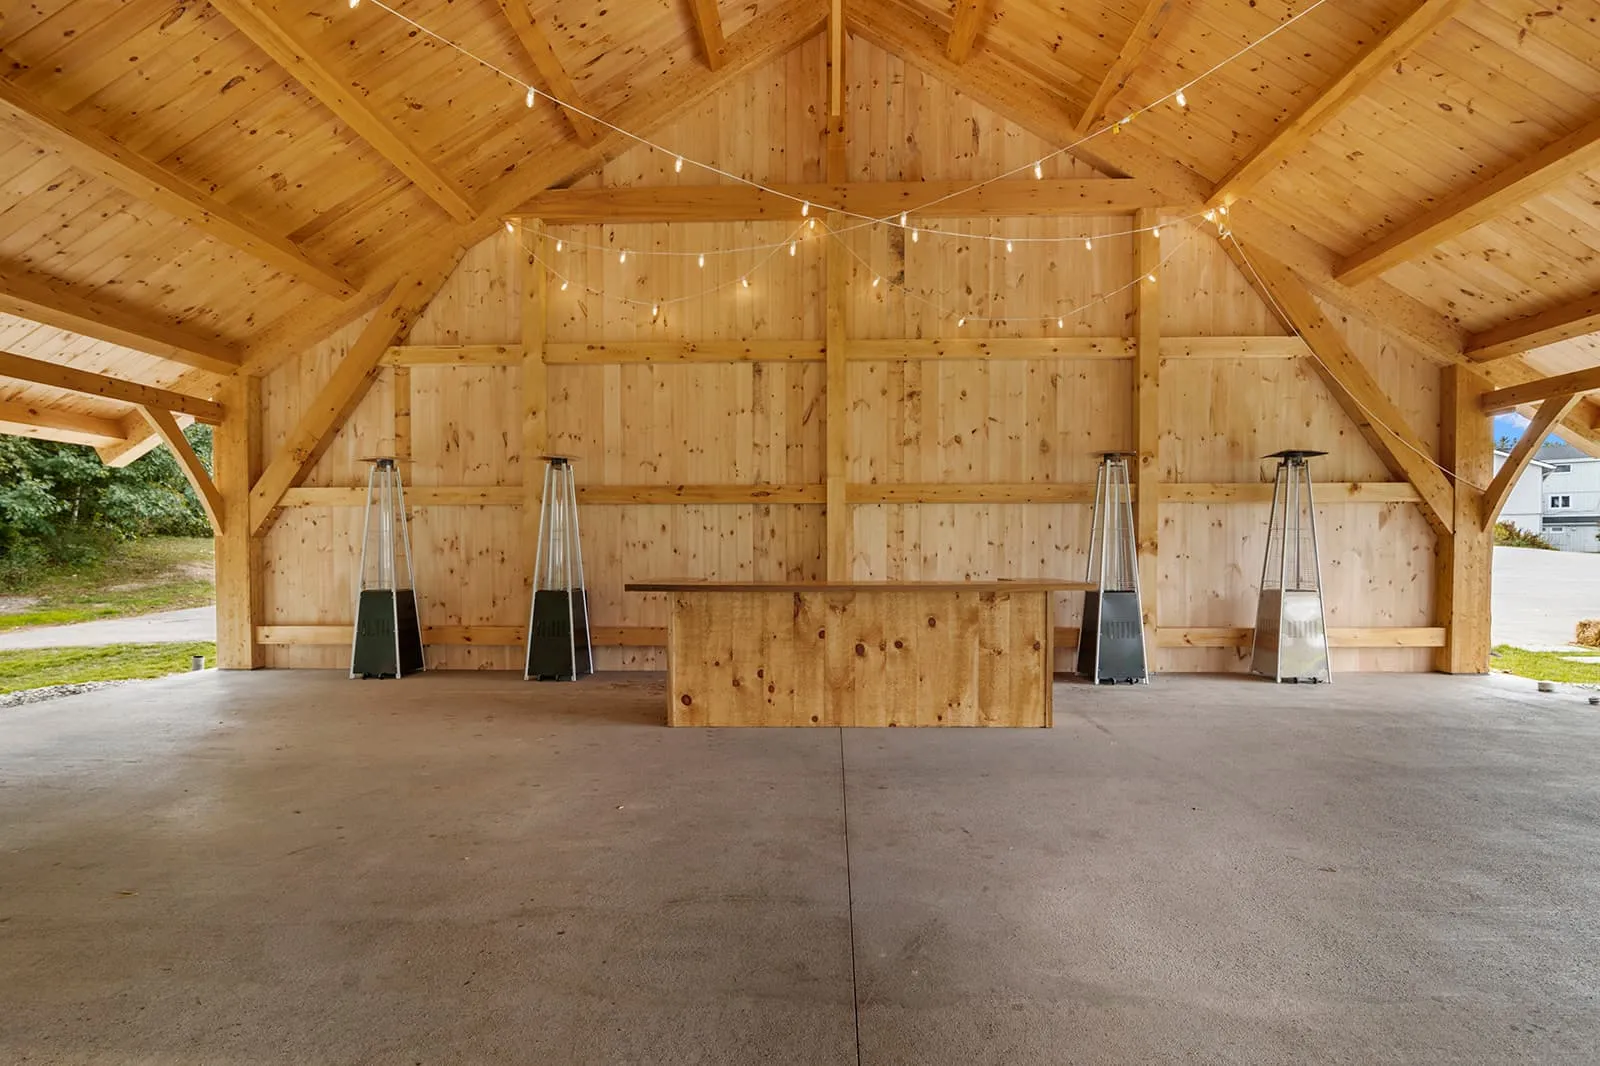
(1541, 389)
(1577, 318)
(453, 355)
(140, 440)
(53, 303)
(1052, 198)
(656, 636)
(1327, 492)
(50, 423)
(71, 379)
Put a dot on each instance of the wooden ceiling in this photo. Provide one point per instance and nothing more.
(190, 187)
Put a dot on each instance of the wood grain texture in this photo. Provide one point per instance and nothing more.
(905, 657)
(70, 379)
(1465, 558)
(189, 463)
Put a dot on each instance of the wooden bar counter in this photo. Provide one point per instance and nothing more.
(860, 653)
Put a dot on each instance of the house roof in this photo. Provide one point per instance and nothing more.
(1560, 452)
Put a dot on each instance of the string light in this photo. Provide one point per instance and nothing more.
(902, 220)
(702, 260)
(509, 227)
(560, 244)
(1151, 278)
(1038, 170)
(354, 4)
(913, 236)
(1008, 246)
(1210, 216)
(1087, 243)
(745, 282)
(805, 209)
(528, 100)
(792, 246)
(1155, 231)
(677, 167)
(623, 256)
(1182, 100)
(812, 224)
(961, 321)
(875, 280)
(563, 284)
(1061, 323)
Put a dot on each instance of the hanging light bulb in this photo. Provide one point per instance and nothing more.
(677, 166)
(655, 310)
(913, 236)
(560, 244)
(811, 224)
(563, 284)
(1061, 323)
(702, 260)
(902, 219)
(792, 246)
(875, 280)
(528, 100)
(1088, 244)
(509, 227)
(622, 257)
(1151, 278)
(354, 4)
(1222, 209)
(961, 321)
(1008, 246)
(1210, 216)
(1183, 101)
(805, 208)
(745, 282)
(1156, 232)
(1038, 169)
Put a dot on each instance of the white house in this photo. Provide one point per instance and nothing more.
(1570, 498)
(1525, 506)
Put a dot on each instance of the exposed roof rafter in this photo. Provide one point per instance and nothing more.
(311, 69)
(707, 18)
(50, 423)
(71, 379)
(964, 29)
(89, 150)
(1477, 204)
(556, 81)
(1576, 318)
(1294, 133)
(51, 303)
(1541, 389)
(1144, 34)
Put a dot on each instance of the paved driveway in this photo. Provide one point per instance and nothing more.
(1539, 596)
(166, 627)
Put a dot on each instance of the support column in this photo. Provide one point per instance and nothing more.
(1461, 583)
(1146, 418)
(840, 530)
(236, 464)
(535, 387)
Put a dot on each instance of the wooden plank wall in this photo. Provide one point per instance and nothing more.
(971, 421)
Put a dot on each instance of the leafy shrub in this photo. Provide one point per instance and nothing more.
(1514, 537)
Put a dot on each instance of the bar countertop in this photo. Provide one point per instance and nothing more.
(1024, 585)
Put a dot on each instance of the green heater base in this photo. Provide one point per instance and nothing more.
(558, 636)
(388, 640)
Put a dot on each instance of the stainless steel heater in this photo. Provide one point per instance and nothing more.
(388, 633)
(558, 621)
(1111, 641)
(1291, 639)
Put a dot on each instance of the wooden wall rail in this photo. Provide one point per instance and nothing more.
(1259, 492)
(656, 636)
(619, 353)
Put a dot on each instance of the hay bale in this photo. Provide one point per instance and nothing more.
(1589, 633)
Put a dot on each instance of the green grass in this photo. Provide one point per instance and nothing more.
(140, 577)
(1547, 665)
(116, 662)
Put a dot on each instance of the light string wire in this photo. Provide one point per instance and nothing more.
(837, 235)
(866, 220)
(1262, 287)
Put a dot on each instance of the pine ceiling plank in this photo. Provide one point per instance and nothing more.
(91, 150)
(964, 29)
(311, 69)
(1576, 318)
(1293, 134)
(707, 18)
(47, 423)
(554, 77)
(71, 379)
(1049, 198)
(1133, 51)
(1477, 204)
(52, 303)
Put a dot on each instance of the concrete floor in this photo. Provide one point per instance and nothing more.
(462, 868)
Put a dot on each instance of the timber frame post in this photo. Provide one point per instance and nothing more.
(1147, 418)
(236, 462)
(1461, 584)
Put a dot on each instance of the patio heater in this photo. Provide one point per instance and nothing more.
(1111, 641)
(388, 633)
(558, 620)
(1291, 636)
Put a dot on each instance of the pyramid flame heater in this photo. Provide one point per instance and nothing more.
(1111, 644)
(388, 633)
(1291, 638)
(558, 621)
